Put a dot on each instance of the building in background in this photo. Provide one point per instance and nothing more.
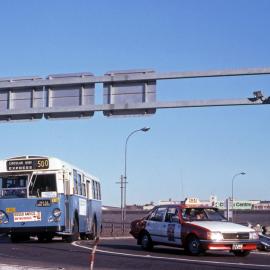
(213, 201)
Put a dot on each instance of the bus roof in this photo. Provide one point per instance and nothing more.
(21, 164)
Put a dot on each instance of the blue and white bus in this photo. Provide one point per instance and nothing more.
(45, 196)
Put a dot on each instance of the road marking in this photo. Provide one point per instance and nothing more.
(261, 253)
(93, 253)
(116, 237)
(172, 259)
(19, 267)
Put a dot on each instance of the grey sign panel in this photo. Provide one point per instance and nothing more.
(129, 92)
(69, 95)
(23, 100)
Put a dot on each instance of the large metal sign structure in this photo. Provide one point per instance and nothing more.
(131, 92)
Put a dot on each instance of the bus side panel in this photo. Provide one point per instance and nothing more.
(83, 214)
(73, 208)
(87, 212)
(95, 213)
(78, 210)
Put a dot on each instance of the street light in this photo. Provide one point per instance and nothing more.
(124, 179)
(241, 173)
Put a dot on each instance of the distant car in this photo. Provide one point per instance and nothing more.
(264, 242)
(194, 227)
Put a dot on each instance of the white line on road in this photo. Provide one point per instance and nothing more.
(20, 267)
(116, 237)
(172, 259)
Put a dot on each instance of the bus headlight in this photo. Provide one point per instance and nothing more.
(3, 217)
(215, 236)
(2, 214)
(253, 236)
(56, 212)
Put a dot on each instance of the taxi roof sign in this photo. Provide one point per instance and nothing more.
(192, 201)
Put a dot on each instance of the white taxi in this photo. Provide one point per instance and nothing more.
(194, 227)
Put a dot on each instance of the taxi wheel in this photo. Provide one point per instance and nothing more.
(241, 253)
(146, 242)
(194, 245)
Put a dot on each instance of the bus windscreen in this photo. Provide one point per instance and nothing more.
(13, 186)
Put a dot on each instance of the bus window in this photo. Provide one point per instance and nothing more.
(83, 187)
(13, 186)
(88, 189)
(75, 182)
(79, 182)
(42, 183)
(94, 189)
(96, 185)
(99, 191)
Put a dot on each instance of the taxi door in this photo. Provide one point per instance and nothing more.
(172, 227)
(155, 224)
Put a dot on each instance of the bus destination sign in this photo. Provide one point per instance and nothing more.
(27, 164)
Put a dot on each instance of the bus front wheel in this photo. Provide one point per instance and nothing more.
(45, 237)
(75, 232)
(15, 238)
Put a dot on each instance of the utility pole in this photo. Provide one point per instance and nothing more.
(122, 201)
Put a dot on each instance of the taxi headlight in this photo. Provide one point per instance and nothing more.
(253, 236)
(56, 212)
(215, 236)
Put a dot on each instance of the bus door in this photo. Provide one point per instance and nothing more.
(66, 179)
(89, 206)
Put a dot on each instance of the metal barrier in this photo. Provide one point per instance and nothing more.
(115, 229)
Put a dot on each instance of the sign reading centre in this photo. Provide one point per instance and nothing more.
(241, 205)
(27, 164)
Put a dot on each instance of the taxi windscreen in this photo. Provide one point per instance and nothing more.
(210, 214)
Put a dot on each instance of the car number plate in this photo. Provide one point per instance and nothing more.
(237, 246)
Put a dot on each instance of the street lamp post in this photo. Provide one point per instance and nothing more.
(241, 173)
(124, 178)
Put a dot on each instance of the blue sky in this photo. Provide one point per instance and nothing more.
(187, 152)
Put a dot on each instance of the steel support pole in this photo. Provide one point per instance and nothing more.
(125, 167)
(241, 173)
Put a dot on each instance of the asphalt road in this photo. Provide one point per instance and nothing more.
(118, 254)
